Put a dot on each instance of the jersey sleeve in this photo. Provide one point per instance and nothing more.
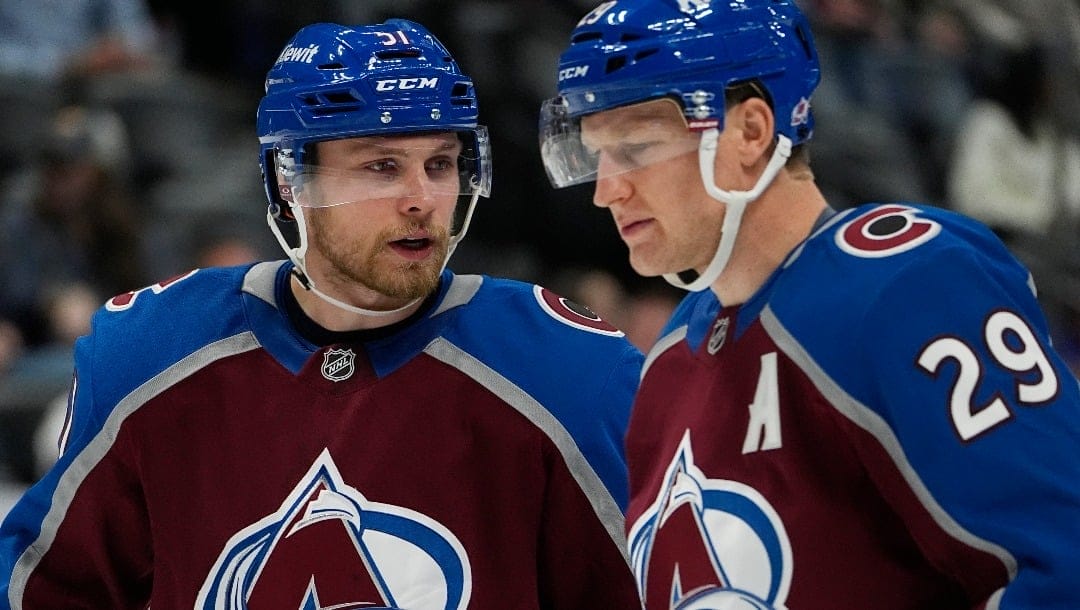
(86, 510)
(582, 565)
(982, 417)
(89, 509)
(572, 376)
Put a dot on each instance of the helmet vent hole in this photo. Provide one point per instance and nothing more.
(629, 37)
(585, 37)
(333, 66)
(615, 63)
(460, 96)
(340, 97)
(398, 54)
(646, 53)
(332, 102)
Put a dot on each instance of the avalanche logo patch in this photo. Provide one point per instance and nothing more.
(886, 230)
(573, 314)
(800, 114)
(328, 546)
(708, 544)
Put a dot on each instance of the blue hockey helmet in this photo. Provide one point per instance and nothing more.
(630, 51)
(333, 81)
(692, 52)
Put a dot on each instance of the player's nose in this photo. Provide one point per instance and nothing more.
(612, 185)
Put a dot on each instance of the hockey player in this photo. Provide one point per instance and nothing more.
(356, 426)
(854, 409)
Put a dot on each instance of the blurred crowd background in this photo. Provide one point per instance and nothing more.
(130, 154)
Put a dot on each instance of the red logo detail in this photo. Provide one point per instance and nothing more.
(800, 114)
(886, 230)
(572, 313)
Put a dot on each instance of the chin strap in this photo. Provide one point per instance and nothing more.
(736, 202)
(297, 256)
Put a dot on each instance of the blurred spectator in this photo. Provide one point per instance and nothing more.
(226, 252)
(52, 50)
(221, 240)
(71, 233)
(1013, 168)
(46, 436)
(69, 310)
(647, 312)
(70, 221)
(53, 40)
(33, 394)
(640, 312)
(865, 137)
(11, 344)
(594, 288)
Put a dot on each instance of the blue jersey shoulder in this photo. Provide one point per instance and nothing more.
(903, 251)
(869, 292)
(557, 351)
(138, 334)
(572, 367)
(536, 336)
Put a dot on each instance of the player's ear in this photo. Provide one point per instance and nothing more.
(756, 128)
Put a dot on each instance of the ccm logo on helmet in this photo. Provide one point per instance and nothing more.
(574, 72)
(392, 84)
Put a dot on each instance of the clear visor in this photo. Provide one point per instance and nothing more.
(379, 168)
(615, 142)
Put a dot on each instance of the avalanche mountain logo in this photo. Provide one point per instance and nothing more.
(328, 546)
(709, 544)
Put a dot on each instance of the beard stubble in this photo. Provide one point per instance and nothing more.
(373, 264)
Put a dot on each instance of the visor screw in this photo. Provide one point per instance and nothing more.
(590, 97)
(386, 118)
(435, 114)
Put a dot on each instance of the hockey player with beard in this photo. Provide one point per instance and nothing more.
(356, 426)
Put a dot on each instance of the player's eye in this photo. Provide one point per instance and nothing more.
(441, 164)
(442, 169)
(633, 155)
(382, 166)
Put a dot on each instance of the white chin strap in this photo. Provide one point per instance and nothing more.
(297, 256)
(736, 202)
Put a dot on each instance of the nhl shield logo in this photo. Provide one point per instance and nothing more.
(719, 335)
(338, 364)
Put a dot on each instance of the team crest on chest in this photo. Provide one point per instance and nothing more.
(327, 545)
(338, 364)
(709, 543)
(719, 334)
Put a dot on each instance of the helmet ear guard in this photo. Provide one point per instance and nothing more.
(279, 211)
(278, 195)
